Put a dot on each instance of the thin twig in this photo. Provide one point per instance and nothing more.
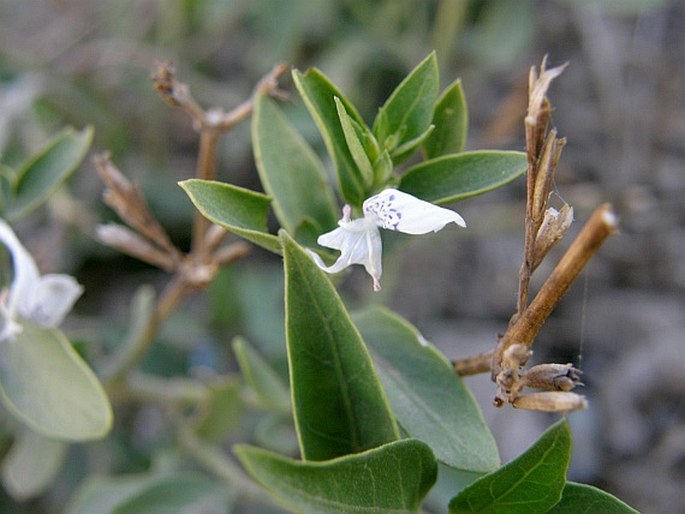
(200, 266)
(599, 227)
(474, 364)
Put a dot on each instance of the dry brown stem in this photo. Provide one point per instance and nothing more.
(132, 244)
(210, 123)
(149, 241)
(177, 94)
(474, 364)
(543, 150)
(128, 202)
(544, 228)
(599, 227)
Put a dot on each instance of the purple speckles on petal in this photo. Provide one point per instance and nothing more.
(382, 206)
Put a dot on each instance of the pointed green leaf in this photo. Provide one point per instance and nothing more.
(532, 482)
(7, 178)
(240, 210)
(409, 110)
(450, 118)
(406, 149)
(318, 93)
(290, 171)
(354, 144)
(586, 499)
(46, 384)
(31, 465)
(339, 405)
(452, 178)
(382, 169)
(428, 398)
(391, 479)
(264, 381)
(47, 170)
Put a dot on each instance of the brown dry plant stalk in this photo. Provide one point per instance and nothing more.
(544, 228)
(145, 238)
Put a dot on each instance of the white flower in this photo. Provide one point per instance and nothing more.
(43, 300)
(359, 241)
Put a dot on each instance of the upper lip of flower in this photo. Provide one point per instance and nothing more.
(43, 300)
(359, 240)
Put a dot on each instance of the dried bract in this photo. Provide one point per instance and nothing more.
(551, 401)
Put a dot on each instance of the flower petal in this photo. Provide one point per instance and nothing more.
(402, 212)
(52, 300)
(8, 326)
(359, 242)
(25, 271)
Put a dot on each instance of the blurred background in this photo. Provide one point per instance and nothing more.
(620, 103)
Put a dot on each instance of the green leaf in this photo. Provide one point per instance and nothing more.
(47, 170)
(428, 398)
(531, 483)
(391, 479)
(407, 148)
(290, 171)
(264, 381)
(141, 310)
(31, 465)
(408, 112)
(586, 499)
(178, 494)
(382, 169)
(450, 118)
(452, 178)
(318, 94)
(276, 432)
(339, 405)
(7, 178)
(224, 411)
(101, 495)
(240, 210)
(355, 145)
(450, 481)
(46, 384)
(146, 493)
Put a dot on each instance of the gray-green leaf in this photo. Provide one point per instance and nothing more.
(391, 479)
(452, 178)
(408, 112)
(339, 404)
(264, 381)
(46, 384)
(318, 94)
(586, 499)
(428, 398)
(291, 173)
(450, 118)
(531, 483)
(240, 210)
(47, 170)
(177, 493)
(32, 464)
(354, 145)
